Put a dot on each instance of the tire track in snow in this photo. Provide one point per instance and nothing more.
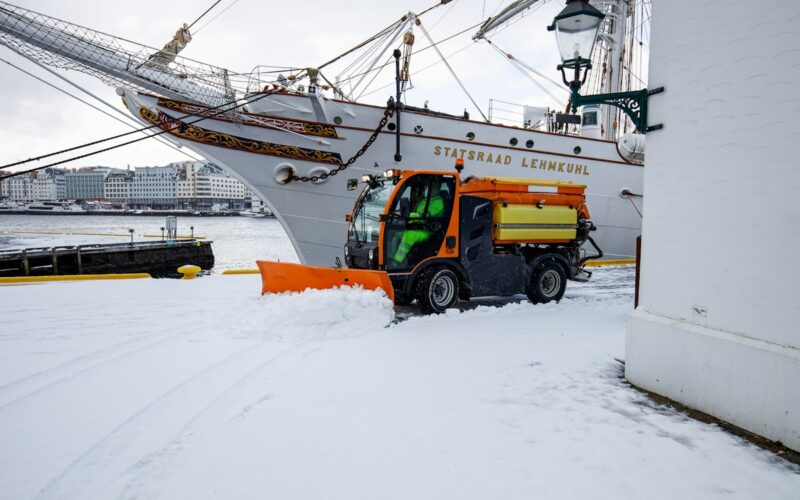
(6, 387)
(80, 471)
(145, 468)
(66, 367)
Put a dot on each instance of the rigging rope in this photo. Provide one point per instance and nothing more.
(362, 44)
(246, 102)
(389, 59)
(378, 68)
(445, 14)
(436, 63)
(215, 17)
(127, 124)
(380, 34)
(204, 13)
(452, 72)
(520, 64)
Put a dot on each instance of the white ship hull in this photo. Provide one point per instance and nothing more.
(291, 130)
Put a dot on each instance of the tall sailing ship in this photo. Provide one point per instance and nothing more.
(287, 136)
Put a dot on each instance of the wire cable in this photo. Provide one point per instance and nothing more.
(448, 38)
(118, 136)
(127, 124)
(215, 17)
(519, 66)
(204, 13)
(452, 72)
(163, 131)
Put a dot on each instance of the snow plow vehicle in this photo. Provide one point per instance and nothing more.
(436, 238)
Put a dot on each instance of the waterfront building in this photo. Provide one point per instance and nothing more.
(49, 185)
(16, 188)
(43, 185)
(203, 186)
(186, 183)
(254, 203)
(190, 185)
(86, 183)
(116, 187)
(154, 187)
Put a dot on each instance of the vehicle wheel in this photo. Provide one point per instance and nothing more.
(438, 291)
(548, 282)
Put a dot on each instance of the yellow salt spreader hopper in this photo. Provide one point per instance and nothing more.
(438, 238)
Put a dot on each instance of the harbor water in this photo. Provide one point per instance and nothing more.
(237, 241)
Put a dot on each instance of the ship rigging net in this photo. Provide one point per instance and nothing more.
(114, 60)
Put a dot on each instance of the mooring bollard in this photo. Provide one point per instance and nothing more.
(189, 271)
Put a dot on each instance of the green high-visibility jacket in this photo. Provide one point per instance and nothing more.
(411, 237)
(435, 208)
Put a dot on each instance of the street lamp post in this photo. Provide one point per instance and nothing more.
(576, 30)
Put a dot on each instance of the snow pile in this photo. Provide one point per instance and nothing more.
(335, 313)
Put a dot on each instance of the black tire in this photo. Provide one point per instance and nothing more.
(437, 291)
(548, 283)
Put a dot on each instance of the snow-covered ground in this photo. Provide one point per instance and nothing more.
(204, 389)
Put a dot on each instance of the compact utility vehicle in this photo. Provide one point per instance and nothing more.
(438, 238)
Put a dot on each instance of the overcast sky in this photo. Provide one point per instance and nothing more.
(36, 119)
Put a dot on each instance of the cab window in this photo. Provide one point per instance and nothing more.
(418, 220)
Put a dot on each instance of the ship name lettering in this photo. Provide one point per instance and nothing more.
(482, 156)
(553, 166)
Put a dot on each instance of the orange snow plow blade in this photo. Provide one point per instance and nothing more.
(279, 277)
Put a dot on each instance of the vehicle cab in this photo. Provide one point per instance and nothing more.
(402, 218)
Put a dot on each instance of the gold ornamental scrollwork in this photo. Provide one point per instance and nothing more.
(299, 127)
(194, 133)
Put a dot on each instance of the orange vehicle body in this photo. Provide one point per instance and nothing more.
(500, 190)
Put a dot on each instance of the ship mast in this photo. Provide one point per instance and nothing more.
(607, 68)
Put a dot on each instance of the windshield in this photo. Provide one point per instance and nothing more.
(365, 227)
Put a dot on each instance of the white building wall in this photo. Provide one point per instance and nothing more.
(48, 185)
(18, 188)
(117, 187)
(717, 323)
(156, 185)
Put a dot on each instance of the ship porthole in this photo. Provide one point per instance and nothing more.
(513, 141)
(577, 150)
(391, 126)
(529, 143)
(284, 173)
(318, 171)
(470, 136)
(337, 120)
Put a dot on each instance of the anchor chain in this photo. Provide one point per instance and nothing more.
(387, 113)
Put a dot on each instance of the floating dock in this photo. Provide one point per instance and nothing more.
(160, 259)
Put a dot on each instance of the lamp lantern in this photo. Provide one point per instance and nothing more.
(576, 30)
(577, 27)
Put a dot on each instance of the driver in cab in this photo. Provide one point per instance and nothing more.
(416, 231)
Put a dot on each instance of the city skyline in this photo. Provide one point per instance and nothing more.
(178, 185)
